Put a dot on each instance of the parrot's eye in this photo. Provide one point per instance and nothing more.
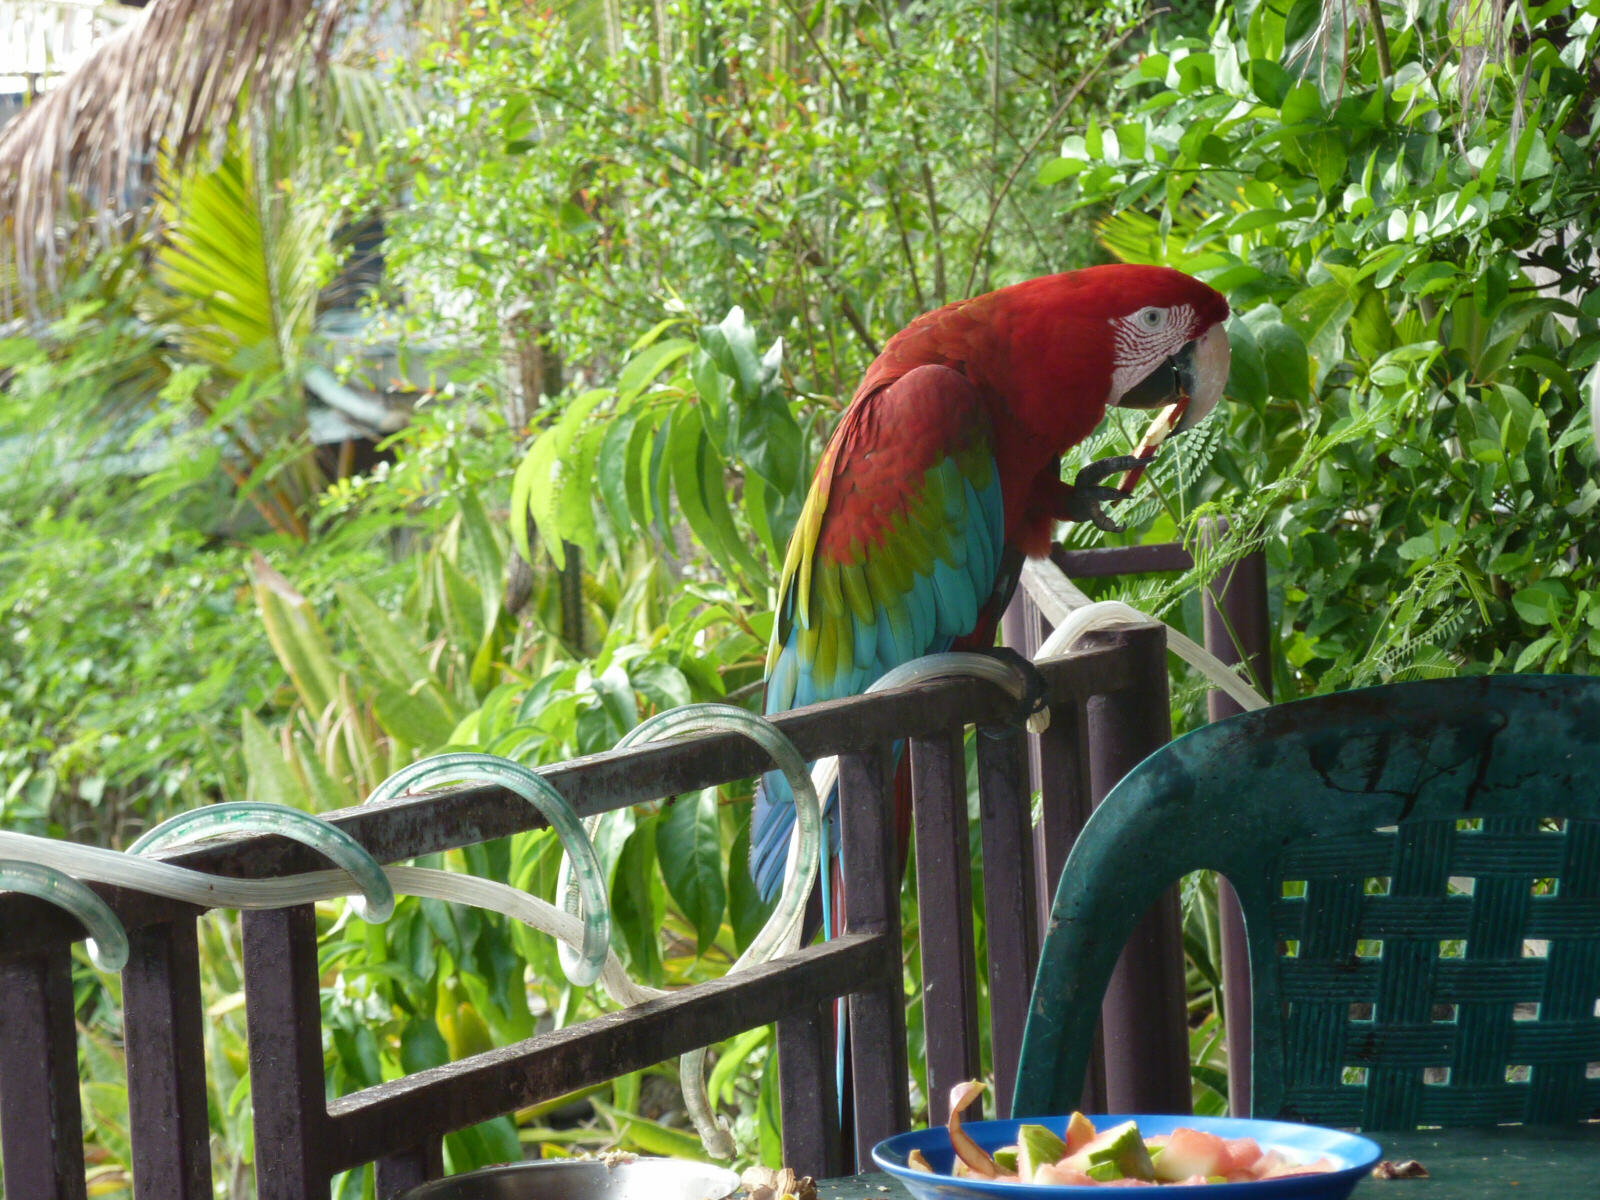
(1151, 318)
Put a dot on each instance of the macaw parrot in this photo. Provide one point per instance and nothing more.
(946, 470)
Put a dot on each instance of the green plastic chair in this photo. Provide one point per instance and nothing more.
(1419, 869)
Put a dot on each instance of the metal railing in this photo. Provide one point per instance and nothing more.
(1109, 706)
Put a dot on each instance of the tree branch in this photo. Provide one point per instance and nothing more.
(1005, 188)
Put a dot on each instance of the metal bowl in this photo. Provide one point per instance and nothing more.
(585, 1179)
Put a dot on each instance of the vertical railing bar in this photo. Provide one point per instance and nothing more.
(882, 1105)
(1237, 627)
(284, 1020)
(1144, 1018)
(806, 1093)
(1010, 919)
(1058, 762)
(944, 907)
(41, 1119)
(404, 1169)
(1064, 794)
(164, 1035)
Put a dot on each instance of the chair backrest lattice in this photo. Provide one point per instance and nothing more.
(1419, 869)
(1442, 972)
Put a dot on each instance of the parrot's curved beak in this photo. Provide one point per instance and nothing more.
(1186, 387)
(1196, 374)
(1207, 374)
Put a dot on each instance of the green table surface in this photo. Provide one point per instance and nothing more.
(1561, 1163)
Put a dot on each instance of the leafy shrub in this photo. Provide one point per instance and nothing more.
(1407, 225)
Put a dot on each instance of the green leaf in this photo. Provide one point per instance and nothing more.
(1301, 19)
(326, 793)
(1540, 603)
(1283, 352)
(389, 648)
(662, 684)
(638, 904)
(732, 345)
(537, 485)
(422, 1046)
(463, 607)
(689, 842)
(637, 466)
(272, 779)
(1429, 545)
(1247, 373)
(1371, 332)
(732, 1062)
(644, 367)
(1319, 315)
(574, 510)
(480, 552)
(611, 466)
(296, 636)
(698, 481)
(1059, 169)
(415, 718)
(769, 1122)
(652, 1137)
(615, 692)
(1269, 81)
(1534, 651)
(1303, 103)
(533, 493)
(747, 912)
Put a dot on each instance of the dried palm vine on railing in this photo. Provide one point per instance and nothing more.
(175, 76)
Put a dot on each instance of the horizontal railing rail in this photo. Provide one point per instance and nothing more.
(1101, 691)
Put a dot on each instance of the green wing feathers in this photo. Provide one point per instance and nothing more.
(897, 546)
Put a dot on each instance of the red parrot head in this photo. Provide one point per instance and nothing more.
(1173, 352)
(1058, 350)
(1121, 336)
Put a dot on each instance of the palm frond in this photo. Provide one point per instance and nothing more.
(175, 77)
(238, 265)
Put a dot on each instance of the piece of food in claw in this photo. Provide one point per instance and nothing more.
(1036, 1147)
(1122, 1148)
(1165, 422)
(968, 1153)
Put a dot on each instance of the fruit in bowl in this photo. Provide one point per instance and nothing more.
(1064, 1156)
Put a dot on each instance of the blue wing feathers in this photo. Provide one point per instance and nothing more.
(937, 585)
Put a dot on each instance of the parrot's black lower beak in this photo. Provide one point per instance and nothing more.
(1170, 382)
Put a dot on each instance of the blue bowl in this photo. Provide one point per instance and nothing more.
(1352, 1156)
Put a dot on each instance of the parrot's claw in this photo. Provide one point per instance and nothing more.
(1086, 496)
(1094, 472)
(1034, 686)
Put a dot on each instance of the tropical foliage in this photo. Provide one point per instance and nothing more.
(1407, 222)
(638, 257)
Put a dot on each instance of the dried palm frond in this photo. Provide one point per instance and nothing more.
(175, 76)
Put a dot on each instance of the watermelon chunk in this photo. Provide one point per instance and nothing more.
(1052, 1173)
(1191, 1152)
(1080, 1132)
(1243, 1153)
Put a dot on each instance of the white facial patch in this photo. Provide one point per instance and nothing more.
(1144, 340)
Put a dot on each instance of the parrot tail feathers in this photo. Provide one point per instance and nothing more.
(771, 821)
